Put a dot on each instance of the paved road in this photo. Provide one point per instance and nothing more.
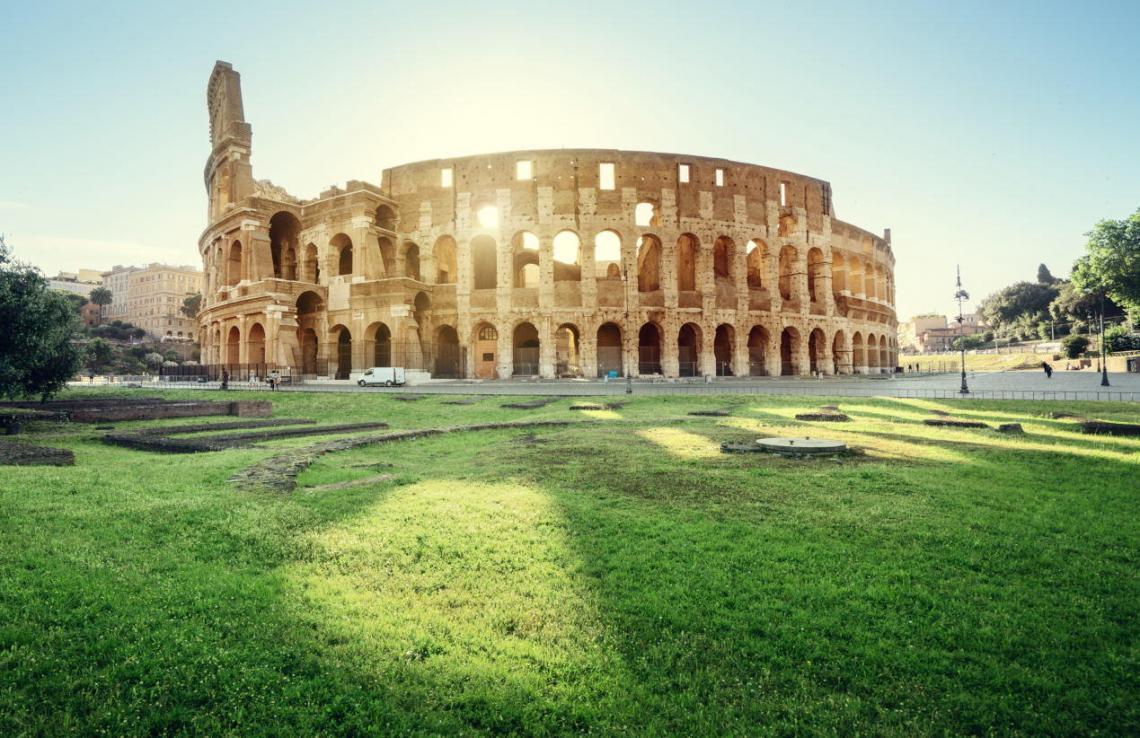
(1028, 385)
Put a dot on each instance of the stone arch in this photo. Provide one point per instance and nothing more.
(233, 346)
(817, 350)
(445, 261)
(688, 253)
(567, 351)
(342, 350)
(855, 276)
(787, 225)
(869, 280)
(412, 261)
(885, 363)
(566, 250)
(255, 344)
(234, 271)
(485, 347)
(607, 255)
(858, 357)
(689, 350)
(448, 357)
(840, 353)
(284, 231)
(790, 352)
(756, 257)
(525, 259)
(648, 263)
(484, 263)
(649, 349)
(644, 215)
(815, 274)
(609, 349)
(838, 273)
(789, 258)
(724, 349)
(724, 253)
(379, 335)
(526, 349)
(341, 247)
(758, 340)
(385, 217)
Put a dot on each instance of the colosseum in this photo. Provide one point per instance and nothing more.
(549, 263)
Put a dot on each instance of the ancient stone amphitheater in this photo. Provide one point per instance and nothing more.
(552, 263)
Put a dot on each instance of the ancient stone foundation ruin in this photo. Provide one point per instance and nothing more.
(551, 263)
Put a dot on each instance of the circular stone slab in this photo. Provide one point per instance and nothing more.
(804, 446)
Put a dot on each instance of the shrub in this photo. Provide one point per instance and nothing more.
(1073, 346)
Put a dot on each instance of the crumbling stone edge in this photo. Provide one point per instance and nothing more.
(279, 473)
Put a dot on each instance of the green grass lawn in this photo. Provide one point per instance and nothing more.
(616, 577)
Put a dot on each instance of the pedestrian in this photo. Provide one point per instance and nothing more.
(225, 379)
(1048, 369)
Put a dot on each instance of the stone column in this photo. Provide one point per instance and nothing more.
(740, 351)
(706, 360)
(800, 282)
(547, 345)
(670, 361)
(588, 352)
(773, 267)
(504, 351)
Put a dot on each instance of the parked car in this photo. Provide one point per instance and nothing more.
(382, 375)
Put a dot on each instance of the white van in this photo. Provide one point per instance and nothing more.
(382, 375)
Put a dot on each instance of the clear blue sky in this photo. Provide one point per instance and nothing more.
(991, 134)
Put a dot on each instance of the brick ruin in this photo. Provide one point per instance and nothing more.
(550, 263)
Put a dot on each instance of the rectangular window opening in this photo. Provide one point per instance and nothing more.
(783, 194)
(683, 173)
(446, 177)
(524, 170)
(606, 176)
(720, 178)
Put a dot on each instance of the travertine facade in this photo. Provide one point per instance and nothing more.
(556, 262)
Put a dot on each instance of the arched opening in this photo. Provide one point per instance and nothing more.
(526, 347)
(341, 245)
(448, 358)
(855, 276)
(858, 358)
(607, 255)
(643, 215)
(385, 218)
(567, 351)
(790, 352)
(872, 353)
(723, 252)
(869, 276)
(484, 263)
(817, 345)
(412, 261)
(885, 362)
(233, 264)
(414, 354)
(814, 273)
(648, 263)
(688, 350)
(838, 351)
(310, 267)
(387, 255)
(567, 257)
(724, 344)
(233, 347)
(609, 350)
(255, 350)
(381, 337)
(649, 349)
(310, 308)
(284, 229)
(787, 225)
(343, 352)
(688, 248)
(788, 259)
(524, 256)
(445, 263)
(758, 351)
(308, 341)
(755, 263)
(838, 273)
(486, 340)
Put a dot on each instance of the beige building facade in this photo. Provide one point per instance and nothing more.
(549, 262)
(151, 298)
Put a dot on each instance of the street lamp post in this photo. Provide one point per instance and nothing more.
(1103, 347)
(961, 295)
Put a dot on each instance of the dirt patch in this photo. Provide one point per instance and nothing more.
(951, 423)
(532, 404)
(1111, 429)
(279, 473)
(464, 401)
(711, 413)
(829, 417)
(408, 398)
(1011, 428)
(26, 454)
(143, 441)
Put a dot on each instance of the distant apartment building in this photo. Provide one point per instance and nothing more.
(151, 298)
(932, 333)
(78, 283)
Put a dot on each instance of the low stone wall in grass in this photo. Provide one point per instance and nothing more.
(26, 454)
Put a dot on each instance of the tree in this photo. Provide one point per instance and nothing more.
(37, 356)
(1043, 275)
(1073, 304)
(77, 301)
(1074, 345)
(102, 297)
(1022, 303)
(100, 355)
(191, 305)
(154, 359)
(1112, 262)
